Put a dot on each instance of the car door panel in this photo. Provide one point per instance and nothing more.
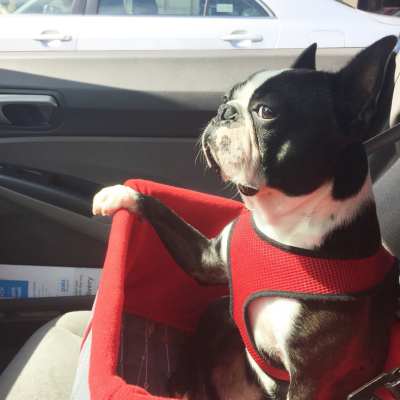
(37, 33)
(177, 33)
(36, 232)
(120, 115)
(68, 192)
(157, 94)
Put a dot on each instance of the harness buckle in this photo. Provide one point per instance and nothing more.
(388, 380)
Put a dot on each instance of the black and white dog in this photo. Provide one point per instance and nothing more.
(291, 141)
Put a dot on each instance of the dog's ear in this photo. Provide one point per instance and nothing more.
(306, 59)
(358, 86)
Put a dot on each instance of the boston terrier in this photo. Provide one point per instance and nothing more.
(292, 143)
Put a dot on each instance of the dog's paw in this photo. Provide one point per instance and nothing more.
(112, 198)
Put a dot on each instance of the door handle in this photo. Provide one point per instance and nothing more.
(50, 36)
(239, 36)
(29, 110)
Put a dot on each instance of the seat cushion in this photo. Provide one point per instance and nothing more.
(45, 366)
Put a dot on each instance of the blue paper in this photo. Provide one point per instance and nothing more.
(13, 289)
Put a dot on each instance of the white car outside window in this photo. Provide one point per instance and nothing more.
(50, 25)
(180, 24)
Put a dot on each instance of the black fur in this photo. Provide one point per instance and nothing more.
(306, 59)
(185, 243)
(361, 238)
(310, 129)
(213, 364)
(320, 115)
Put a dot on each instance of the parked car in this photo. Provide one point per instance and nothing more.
(187, 24)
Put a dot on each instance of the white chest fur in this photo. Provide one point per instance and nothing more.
(304, 221)
(272, 320)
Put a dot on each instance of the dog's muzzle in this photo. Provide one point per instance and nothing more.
(212, 163)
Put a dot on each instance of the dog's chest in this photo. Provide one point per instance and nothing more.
(272, 322)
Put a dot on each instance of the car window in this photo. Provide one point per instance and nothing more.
(56, 7)
(239, 8)
(211, 8)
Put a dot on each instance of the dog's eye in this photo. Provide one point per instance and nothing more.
(265, 112)
(224, 99)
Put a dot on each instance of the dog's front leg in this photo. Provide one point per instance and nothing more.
(197, 255)
(302, 388)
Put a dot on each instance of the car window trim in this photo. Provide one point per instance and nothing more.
(267, 8)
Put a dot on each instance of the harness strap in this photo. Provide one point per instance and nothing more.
(260, 267)
(389, 136)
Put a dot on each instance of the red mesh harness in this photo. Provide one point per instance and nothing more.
(260, 267)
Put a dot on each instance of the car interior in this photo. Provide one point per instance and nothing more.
(121, 7)
(212, 8)
(71, 124)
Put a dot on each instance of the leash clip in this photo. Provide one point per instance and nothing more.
(388, 380)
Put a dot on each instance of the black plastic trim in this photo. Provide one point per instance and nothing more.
(56, 116)
(71, 193)
(63, 304)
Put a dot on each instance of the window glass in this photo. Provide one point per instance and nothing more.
(179, 7)
(234, 8)
(212, 8)
(36, 6)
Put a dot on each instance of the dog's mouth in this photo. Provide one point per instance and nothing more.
(247, 190)
(243, 189)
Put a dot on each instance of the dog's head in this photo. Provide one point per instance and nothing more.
(294, 130)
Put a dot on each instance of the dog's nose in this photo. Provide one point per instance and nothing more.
(228, 113)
